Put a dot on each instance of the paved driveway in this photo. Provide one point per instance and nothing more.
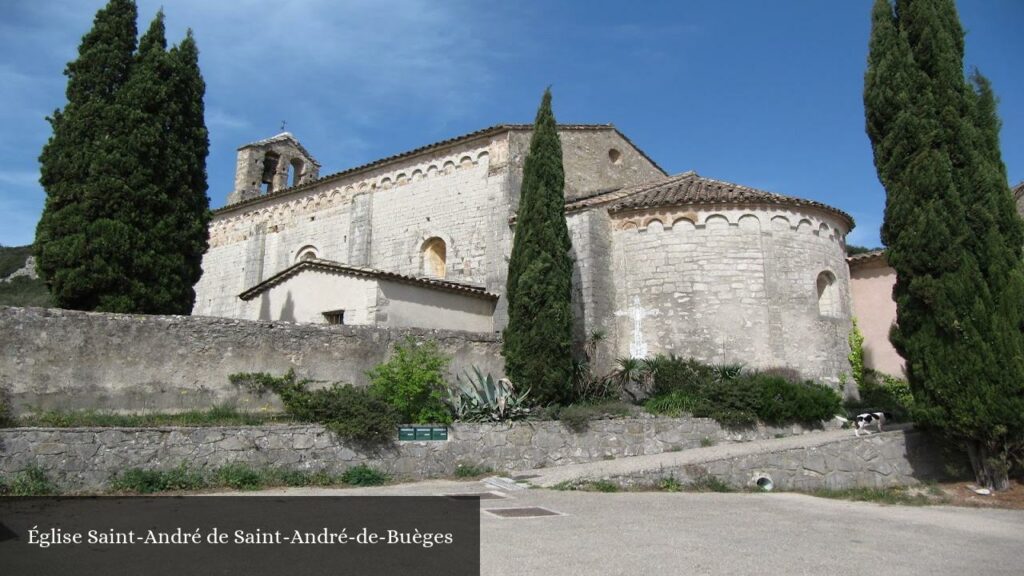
(693, 533)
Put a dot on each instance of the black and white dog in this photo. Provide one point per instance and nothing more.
(862, 421)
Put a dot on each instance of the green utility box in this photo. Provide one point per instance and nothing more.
(422, 433)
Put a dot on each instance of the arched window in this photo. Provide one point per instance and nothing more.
(270, 160)
(828, 295)
(295, 169)
(306, 253)
(435, 255)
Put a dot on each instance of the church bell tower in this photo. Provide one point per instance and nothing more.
(270, 165)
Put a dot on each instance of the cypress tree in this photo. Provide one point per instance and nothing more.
(145, 136)
(169, 144)
(538, 338)
(951, 231)
(141, 205)
(73, 238)
(192, 147)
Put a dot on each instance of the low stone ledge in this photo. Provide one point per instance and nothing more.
(896, 458)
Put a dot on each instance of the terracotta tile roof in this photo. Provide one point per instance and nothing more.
(338, 267)
(606, 196)
(496, 129)
(865, 257)
(282, 137)
(691, 188)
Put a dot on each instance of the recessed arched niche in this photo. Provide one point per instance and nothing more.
(435, 257)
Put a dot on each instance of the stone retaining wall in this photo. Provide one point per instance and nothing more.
(86, 458)
(897, 458)
(62, 359)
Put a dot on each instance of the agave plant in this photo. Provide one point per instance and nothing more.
(635, 377)
(590, 346)
(483, 399)
(726, 372)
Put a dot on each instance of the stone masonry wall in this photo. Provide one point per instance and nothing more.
(595, 160)
(457, 199)
(897, 458)
(377, 218)
(463, 193)
(61, 359)
(86, 458)
(593, 288)
(732, 285)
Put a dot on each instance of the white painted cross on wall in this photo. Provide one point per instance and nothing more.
(638, 348)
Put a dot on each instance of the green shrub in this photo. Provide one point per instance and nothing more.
(299, 478)
(883, 393)
(472, 470)
(709, 483)
(6, 418)
(736, 397)
(730, 418)
(587, 486)
(412, 382)
(732, 402)
(784, 402)
(602, 486)
(856, 340)
(142, 481)
(352, 413)
(587, 387)
(894, 495)
(677, 403)
(239, 477)
(671, 374)
(32, 481)
(363, 475)
(220, 415)
(670, 484)
(578, 416)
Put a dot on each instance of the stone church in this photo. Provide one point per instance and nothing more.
(680, 264)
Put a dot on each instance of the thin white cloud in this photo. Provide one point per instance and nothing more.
(338, 72)
(368, 55)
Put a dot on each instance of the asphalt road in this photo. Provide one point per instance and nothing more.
(705, 533)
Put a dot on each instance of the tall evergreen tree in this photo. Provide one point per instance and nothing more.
(145, 231)
(169, 144)
(71, 239)
(538, 339)
(143, 139)
(193, 146)
(951, 232)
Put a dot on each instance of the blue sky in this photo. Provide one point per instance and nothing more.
(766, 94)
